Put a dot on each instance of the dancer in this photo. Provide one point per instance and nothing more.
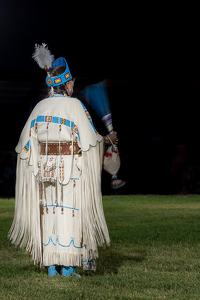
(59, 214)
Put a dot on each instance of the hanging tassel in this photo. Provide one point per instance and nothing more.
(61, 167)
(56, 196)
(62, 210)
(54, 220)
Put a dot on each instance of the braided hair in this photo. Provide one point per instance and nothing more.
(59, 89)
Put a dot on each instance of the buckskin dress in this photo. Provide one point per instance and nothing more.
(59, 214)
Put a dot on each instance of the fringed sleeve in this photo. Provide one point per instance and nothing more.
(25, 230)
(95, 231)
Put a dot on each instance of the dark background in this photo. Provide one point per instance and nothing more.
(149, 55)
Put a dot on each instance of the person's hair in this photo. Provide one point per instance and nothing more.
(59, 89)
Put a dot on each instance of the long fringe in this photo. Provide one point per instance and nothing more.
(61, 258)
(95, 231)
(26, 228)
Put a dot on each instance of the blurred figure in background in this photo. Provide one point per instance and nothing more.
(181, 170)
(7, 176)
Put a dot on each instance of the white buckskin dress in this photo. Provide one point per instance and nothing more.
(59, 214)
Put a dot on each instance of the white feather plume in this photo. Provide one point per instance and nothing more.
(43, 56)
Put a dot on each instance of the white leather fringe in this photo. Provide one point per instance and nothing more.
(26, 229)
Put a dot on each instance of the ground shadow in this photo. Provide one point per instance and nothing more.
(111, 259)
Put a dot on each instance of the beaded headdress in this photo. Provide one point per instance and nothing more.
(45, 60)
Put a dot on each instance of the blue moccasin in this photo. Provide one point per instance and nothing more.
(52, 271)
(69, 271)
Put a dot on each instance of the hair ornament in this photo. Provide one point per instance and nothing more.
(43, 56)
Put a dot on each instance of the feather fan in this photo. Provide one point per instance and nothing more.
(43, 56)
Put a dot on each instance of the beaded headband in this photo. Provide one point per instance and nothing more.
(44, 59)
(62, 78)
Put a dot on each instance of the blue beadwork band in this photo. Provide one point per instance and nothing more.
(62, 78)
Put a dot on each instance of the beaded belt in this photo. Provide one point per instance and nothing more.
(65, 148)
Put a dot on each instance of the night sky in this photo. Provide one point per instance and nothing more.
(139, 41)
(150, 53)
